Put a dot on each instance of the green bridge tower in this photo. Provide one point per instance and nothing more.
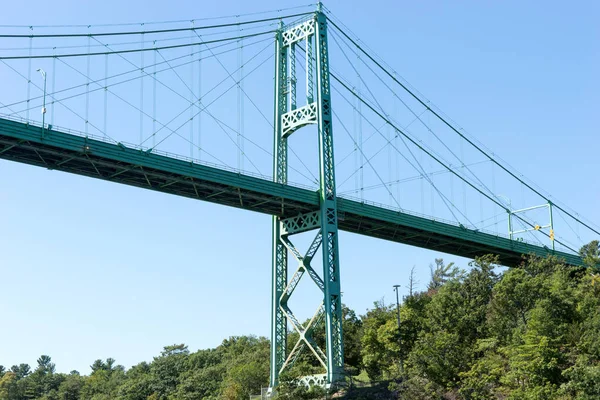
(311, 33)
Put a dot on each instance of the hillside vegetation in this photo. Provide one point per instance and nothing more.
(531, 332)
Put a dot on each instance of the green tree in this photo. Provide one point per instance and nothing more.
(166, 369)
(591, 254)
(21, 370)
(376, 357)
(8, 386)
(441, 273)
(70, 388)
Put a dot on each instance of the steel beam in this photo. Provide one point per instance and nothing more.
(279, 258)
(220, 186)
(289, 119)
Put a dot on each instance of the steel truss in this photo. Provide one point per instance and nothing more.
(288, 119)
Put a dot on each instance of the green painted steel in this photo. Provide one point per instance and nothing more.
(280, 253)
(93, 157)
(288, 119)
(329, 211)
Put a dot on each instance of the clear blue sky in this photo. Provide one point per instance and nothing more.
(90, 269)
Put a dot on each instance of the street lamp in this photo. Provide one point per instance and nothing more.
(509, 211)
(41, 71)
(399, 337)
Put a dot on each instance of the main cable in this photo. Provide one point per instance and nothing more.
(176, 46)
(151, 32)
(445, 121)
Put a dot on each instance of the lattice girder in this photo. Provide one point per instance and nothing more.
(280, 263)
(298, 32)
(314, 380)
(296, 119)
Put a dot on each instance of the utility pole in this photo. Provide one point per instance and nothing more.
(400, 366)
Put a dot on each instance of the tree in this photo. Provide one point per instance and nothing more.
(45, 365)
(376, 356)
(8, 386)
(455, 319)
(412, 282)
(70, 388)
(413, 317)
(352, 330)
(98, 365)
(441, 274)
(21, 370)
(165, 370)
(138, 383)
(591, 254)
(110, 363)
(512, 299)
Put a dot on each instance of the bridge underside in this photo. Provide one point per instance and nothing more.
(94, 158)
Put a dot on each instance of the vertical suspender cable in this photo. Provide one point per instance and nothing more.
(357, 164)
(389, 151)
(87, 85)
(239, 122)
(199, 103)
(29, 74)
(192, 99)
(432, 177)
(142, 88)
(240, 139)
(464, 185)
(360, 139)
(105, 95)
(422, 185)
(53, 89)
(481, 208)
(494, 192)
(154, 99)
(242, 101)
(355, 139)
(397, 154)
(432, 187)
(451, 187)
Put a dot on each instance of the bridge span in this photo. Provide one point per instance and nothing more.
(96, 157)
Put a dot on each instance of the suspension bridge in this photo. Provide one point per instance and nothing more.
(240, 111)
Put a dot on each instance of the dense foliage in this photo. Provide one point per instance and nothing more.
(531, 332)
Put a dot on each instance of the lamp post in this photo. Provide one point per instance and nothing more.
(399, 337)
(41, 71)
(509, 211)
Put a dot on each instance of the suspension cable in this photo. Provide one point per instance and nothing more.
(372, 108)
(447, 123)
(151, 32)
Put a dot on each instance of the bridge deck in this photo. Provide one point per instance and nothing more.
(95, 158)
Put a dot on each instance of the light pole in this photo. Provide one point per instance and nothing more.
(509, 211)
(399, 337)
(41, 71)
